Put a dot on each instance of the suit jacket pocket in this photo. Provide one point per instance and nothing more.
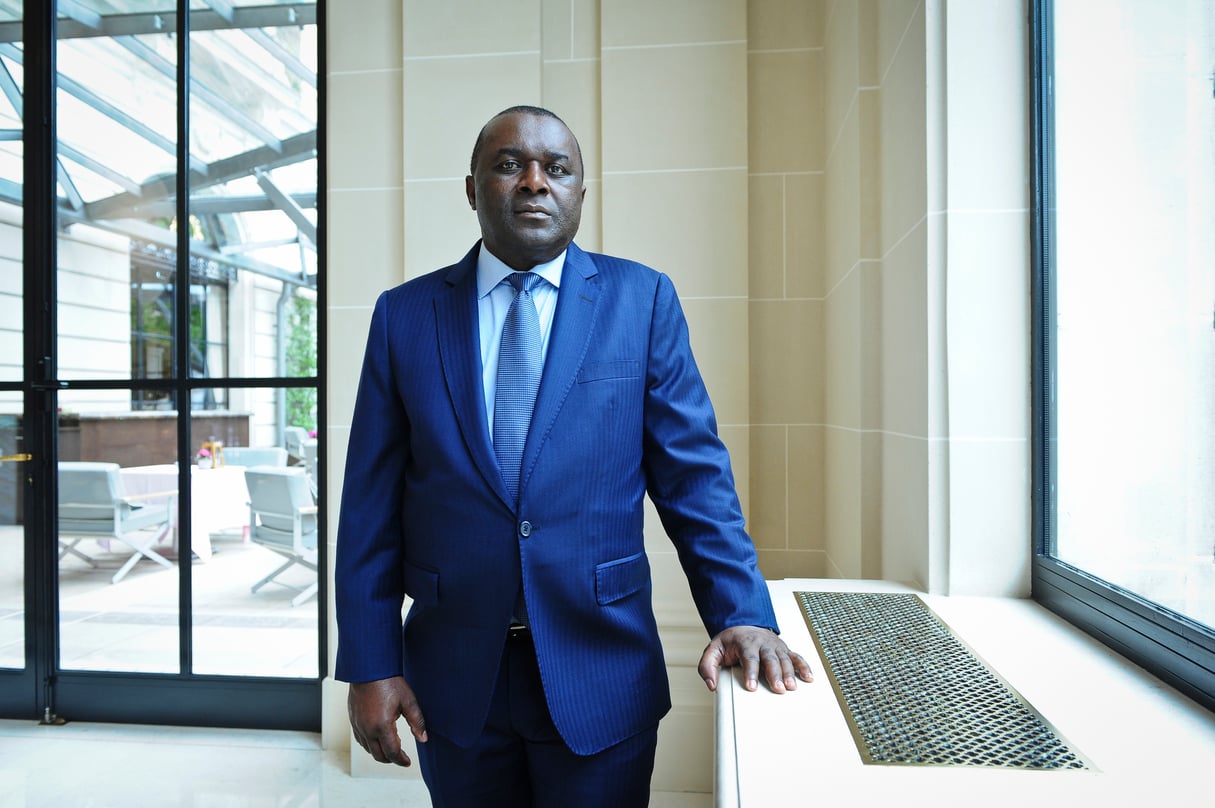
(618, 579)
(421, 584)
(619, 369)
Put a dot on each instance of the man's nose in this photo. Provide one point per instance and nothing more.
(534, 180)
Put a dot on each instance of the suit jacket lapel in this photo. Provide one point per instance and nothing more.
(573, 324)
(459, 351)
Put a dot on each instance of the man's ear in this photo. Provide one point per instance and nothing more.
(470, 190)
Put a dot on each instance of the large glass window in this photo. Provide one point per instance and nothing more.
(1126, 348)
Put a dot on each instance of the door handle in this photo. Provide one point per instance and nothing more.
(16, 458)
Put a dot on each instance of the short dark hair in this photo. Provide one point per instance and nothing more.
(520, 109)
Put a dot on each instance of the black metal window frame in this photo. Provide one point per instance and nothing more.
(1178, 650)
(184, 698)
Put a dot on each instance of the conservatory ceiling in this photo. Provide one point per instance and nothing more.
(252, 125)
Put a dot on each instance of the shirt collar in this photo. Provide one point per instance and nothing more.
(491, 271)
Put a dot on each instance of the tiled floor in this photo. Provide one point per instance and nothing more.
(103, 765)
(132, 625)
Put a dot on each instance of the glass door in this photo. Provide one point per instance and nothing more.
(174, 375)
(17, 674)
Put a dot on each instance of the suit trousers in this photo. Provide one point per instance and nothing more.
(520, 760)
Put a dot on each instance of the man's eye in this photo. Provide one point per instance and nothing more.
(508, 165)
(558, 170)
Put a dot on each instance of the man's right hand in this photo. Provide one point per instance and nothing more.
(374, 708)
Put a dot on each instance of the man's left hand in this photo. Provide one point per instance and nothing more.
(760, 652)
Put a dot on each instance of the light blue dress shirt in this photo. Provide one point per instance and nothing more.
(494, 296)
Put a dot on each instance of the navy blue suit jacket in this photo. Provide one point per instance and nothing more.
(621, 410)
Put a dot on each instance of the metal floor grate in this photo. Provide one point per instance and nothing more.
(916, 695)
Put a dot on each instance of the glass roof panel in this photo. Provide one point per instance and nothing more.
(253, 123)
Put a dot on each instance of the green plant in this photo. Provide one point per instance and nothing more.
(301, 361)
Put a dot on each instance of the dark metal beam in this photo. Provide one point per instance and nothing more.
(269, 16)
(295, 149)
(288, 205)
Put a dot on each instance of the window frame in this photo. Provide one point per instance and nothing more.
(1178, 650)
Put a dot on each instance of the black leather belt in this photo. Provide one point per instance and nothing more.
(518, 631)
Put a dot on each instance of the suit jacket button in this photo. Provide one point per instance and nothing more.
(525, 529)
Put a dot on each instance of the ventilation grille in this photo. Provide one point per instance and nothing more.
(915, 695)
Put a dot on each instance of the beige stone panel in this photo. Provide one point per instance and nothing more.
(644, 22)
(872, 178)
(989, 518)
(807, 483)
(671, 593)
(768, 519)
(718, 331)
(786, 362)
(675, 108)
(869, 330)
(347, 340)
(843, 503)
(895, 18)
(590, 230)
(841, 68)
(843, 373)
(691, 225)
(785, 105)
(351, 44)
(337, 441)
(586, 27)
(989, 324)
(776, 565)
(904, 504)
(571, 89)
(365, 250)
(439, 226)
(463, 27)
(557, 29)
(766, 236)
(805, 237)
(363, 130)
(905, 361)
(570, 29)
(988, 129)
(903, 146)
(842, 216)
(784, 24)
(447, 101)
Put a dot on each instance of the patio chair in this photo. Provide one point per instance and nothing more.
(92, 506)
(283, 518)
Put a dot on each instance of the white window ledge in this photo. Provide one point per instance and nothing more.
(1148, 744)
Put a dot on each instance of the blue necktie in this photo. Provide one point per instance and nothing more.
(520, 363)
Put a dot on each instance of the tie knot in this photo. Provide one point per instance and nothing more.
(524, 281)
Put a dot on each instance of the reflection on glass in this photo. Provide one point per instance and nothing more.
(12, 546)
(1135, 287)
(118, 535)
(253, 314)
(255, 507)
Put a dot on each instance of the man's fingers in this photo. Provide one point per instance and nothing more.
(760, 653)
(374, 708)
(710, 664)
(415, 719)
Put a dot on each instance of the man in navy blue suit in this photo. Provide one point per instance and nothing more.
(529, 667)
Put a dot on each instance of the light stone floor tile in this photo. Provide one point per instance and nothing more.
(109, 765)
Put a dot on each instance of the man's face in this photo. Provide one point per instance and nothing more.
(527, 188)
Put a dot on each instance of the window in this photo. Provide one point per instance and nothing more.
(1125, 337)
